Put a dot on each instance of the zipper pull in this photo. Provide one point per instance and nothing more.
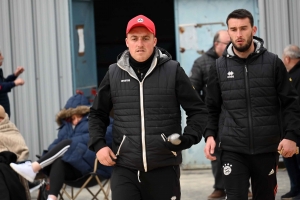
(246, 68)
(164, 137)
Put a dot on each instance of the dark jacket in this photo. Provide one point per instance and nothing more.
(78, 154)
(145, 111)
(10, 184)
(244, 99)
(200, 69)
(6, 84)
(294, 74)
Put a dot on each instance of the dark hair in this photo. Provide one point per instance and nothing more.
(240, 14)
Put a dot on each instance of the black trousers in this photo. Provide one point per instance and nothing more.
(217, 169)
(261, 168)
(292, 165)
(159, 184)
(58, 171)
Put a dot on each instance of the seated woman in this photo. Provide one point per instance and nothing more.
(12, 149)
(68, 157)
(11, 139)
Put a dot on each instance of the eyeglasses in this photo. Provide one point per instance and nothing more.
(223, 42)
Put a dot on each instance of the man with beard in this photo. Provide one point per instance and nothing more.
(246, 92)
(199, 77)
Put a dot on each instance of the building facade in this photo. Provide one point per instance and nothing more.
(67, 45)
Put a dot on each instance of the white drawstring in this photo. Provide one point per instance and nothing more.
(138, 175)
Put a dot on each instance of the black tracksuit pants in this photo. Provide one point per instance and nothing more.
(58, 171)
(159, 184)
(261, 168)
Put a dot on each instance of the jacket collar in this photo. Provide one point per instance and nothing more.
(161, 56)
(258, 47)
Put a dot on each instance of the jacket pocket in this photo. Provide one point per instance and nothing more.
(165, 139)
(118, 152)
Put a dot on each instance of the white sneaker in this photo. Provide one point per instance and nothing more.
(24, 170)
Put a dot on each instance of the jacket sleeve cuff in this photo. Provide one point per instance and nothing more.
(291, 136)
(99, 145)
(208, 133)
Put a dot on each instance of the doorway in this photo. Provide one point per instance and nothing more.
(111, 18)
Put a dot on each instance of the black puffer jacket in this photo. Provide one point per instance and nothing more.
(145, 111)
(244, 98)
(200, 69)
(294, 73)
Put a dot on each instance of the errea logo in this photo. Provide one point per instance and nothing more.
(125, 80)
(140, 20)
(230, 74)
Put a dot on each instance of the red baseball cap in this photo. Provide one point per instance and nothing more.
(141, 20)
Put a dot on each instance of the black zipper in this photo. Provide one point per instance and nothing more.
(249, 109)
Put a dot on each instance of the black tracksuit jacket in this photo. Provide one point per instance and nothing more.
(144, 111)
(200, 69)
(294, 74)
(245, 98)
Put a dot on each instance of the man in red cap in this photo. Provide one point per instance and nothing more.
(146, 89)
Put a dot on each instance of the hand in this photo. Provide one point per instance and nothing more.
(19, 71)
(106, 156)
(186, 142)
(287, 148)
(19, 81)
(210, 148)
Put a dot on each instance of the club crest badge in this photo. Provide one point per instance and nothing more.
(227, 169)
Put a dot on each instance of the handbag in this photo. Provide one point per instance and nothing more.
(44, 190)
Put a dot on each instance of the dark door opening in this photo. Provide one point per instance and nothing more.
(111, 18)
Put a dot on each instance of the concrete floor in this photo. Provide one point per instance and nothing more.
(197, 185)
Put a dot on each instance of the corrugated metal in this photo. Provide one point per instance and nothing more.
(63, 49)
(5, 39)
(294, 16)
(24, 98)
(280, 25)
(36, 35)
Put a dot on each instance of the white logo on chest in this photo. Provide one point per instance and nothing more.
(230, 74)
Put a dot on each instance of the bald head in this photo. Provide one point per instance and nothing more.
(221, 39)
(291, 56)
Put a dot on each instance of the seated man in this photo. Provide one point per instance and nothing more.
(68, 157)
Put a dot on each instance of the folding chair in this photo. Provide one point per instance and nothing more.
(86, 181)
